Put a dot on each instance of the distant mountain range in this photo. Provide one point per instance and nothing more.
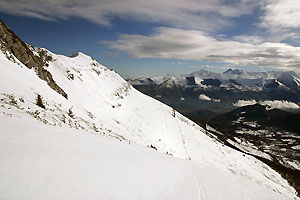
(220, 91)
(230, 79)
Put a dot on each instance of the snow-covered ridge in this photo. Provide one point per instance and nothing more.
(231, 79)
(101, 102)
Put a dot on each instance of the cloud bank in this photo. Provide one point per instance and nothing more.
(274, 104)
(205, 15)
(196, 45)
(196, 14)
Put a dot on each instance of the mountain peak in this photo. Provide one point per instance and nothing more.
(233, 71)
(79, 54)
(75, 55)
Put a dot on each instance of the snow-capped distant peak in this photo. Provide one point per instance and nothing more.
(233, 71)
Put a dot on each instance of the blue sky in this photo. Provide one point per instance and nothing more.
(171, 37)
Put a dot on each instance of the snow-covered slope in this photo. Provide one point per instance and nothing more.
(43, 162)
(99, 101)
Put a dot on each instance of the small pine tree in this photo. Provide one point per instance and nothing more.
(39, 101)
(173, 113)
(70, 113)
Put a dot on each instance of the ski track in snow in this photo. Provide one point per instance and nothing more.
(201, 188)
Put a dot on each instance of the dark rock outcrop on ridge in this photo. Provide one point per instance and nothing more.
(11, 43)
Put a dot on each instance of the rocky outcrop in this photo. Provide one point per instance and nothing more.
(11, 43)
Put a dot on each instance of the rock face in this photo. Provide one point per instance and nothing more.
(11, 43)
(212, 82)
(190, 80)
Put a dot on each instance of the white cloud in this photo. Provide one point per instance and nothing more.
(196, 14)
(206, 98)
(202, 66)
(281, 14)
(242, 103)
(196, 45)
(281, 19)
(279, 104)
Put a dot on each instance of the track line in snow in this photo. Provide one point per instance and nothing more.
(201, 189)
